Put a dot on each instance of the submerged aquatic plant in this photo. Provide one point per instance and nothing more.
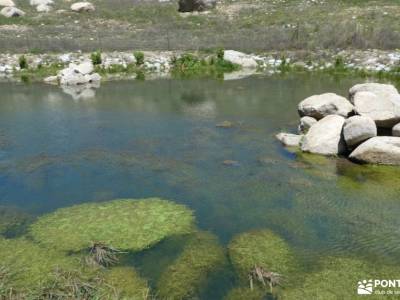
(13, 221)
(240, 293)
(263, 249)
(261, 275)
(125, 224)
(30, 265)
(182, 280)
(337, 278)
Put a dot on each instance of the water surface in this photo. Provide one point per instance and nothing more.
(159, 138)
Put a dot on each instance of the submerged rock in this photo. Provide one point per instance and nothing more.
(200, 257)
(325, 137)
(196, 5)
(346, 273)
(262, 248)
(289, 139)
(305, 124)
(125, 224)
(357, 129)
(225, 124)
(12, 220)
(383, 150)
(241, 59)
(320, 106)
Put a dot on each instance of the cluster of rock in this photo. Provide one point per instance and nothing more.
(333, 125)
(76, 74)
(9, 10)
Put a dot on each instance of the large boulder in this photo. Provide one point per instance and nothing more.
(305, 124)
(378, 150)
(384, 109)
(82, 7)
(242, 59)
(196, 5)
(76, 74)
(357, 129)
(11, 11)
(320, 106)
(325, 137)
(289, 139)
(84, 68)
(376, 88)
(396, 130)
(7, 3)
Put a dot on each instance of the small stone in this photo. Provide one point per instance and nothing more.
(305, 124)
(396, 130)
(230, 163)
(289, 140)
(82, 7)
(225, 124)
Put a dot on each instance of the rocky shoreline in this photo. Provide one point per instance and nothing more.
(364, 127)
(159, 63)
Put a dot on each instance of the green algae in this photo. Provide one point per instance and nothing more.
(201, 256)
(338, 278)
(30, 265)
(126, 284)
(261, 248)
(13, 221)
(125, 224)
(240, 293)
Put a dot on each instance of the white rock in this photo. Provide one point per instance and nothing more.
(305, 124)
(7, 3)
(358, 129)
(40, 2)
(11, 11)
(376, 88)
(396, 130)
(378, 150)
(83, 68)
(289, 140)
(73, 79)
(43, 8)
(325, 137)
(82, 7)
(95, 77)
(239, 58)
(383, 108)
(320, 106)
(51, 79)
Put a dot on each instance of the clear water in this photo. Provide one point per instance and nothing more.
(158, 138)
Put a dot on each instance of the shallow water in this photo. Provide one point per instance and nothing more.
(158, 138)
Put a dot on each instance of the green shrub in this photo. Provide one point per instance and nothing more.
(23, 63)
(220, 53)
(96, 58)
(139, 56)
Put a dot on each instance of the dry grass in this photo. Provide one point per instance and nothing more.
(242, 24)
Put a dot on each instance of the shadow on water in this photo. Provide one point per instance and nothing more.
(158, 138)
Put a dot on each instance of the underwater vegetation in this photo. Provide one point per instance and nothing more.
(127, 284)
(13, 221)
(183, 279)
(28, 265)
(124, 224)
(240, 293)
(337, 279)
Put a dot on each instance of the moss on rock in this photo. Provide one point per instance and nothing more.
(338, 278)
(183, 279)
(262, 248)
(126, 284)
(126, 224)
(240, 293)
(29, 265)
